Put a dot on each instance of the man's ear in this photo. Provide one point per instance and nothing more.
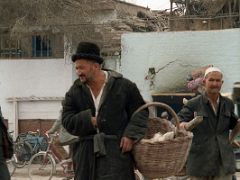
(96, 65)
(204, 81)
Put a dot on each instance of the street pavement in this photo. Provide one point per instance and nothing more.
(21, 174)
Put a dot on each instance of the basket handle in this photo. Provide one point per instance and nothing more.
(161, 105)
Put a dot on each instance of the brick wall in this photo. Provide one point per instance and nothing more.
(33, 124)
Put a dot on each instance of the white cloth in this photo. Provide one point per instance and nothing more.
(212, 69)
(97, 99)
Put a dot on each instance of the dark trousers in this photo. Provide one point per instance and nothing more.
(4, 173)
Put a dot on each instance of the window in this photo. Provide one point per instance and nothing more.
(10, 48)
(32, 46)
(41, 46)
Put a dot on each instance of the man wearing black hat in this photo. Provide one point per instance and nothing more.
(98, 108)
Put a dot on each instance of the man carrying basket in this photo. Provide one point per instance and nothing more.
(99, 109)
(211, 155)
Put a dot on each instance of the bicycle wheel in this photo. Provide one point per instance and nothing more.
(11, 164)
(23, 151)
(41, 166)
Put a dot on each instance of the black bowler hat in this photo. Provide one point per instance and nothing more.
(88, 50)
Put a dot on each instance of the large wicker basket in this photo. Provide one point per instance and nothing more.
(165, 158)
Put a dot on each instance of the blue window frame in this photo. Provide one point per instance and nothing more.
(41, 46)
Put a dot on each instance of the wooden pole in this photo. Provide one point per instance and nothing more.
(230, 12)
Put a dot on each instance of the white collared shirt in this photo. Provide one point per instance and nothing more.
(97, 99)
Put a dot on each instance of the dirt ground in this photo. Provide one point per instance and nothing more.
(21, 174)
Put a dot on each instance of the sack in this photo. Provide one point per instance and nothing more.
(65, 138)
(7, 144)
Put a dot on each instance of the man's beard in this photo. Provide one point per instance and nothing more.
(215, 90)
(83, 79)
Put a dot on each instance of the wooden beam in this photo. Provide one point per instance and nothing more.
(230, 12)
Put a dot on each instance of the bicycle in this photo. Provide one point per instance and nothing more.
(36, 141)
(21, 149)
(43, 164)
(25, 145)
(22, 152)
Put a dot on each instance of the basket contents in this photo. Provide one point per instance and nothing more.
(160, 137)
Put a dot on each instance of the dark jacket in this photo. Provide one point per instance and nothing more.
(4, 173)
(210, 147)
(119, 100)
(3, 127)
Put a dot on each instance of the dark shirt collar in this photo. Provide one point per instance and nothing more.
(206, 100)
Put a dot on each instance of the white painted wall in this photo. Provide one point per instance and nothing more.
(188, 50)
(40, 78)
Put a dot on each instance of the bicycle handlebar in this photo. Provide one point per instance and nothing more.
(52, 134)
(32, 132)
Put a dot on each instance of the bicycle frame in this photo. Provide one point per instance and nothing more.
(64, 163)
(49, 157)
(35, 139)
(46, 154)
(20, 150)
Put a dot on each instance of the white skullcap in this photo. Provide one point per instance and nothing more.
(212, 69)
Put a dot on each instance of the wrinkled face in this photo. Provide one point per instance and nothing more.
(85, 70)
(213, 82)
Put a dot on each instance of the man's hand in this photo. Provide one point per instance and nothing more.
(94, 121)
(235, 131)
(183, 125)
(47, 133)
(236, 144)
(126, 144)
